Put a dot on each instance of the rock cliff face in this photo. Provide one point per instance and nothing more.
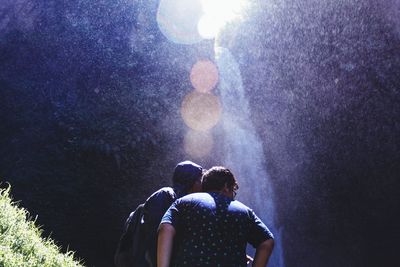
(89, 109)
(88, 114)
(324, 93)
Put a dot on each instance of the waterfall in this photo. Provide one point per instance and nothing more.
(243, 152)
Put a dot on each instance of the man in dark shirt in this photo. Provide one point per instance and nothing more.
(211, 228)
(186, 179)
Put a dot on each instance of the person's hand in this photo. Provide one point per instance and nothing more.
(249, 259)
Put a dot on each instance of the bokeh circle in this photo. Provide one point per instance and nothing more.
(201, 111)
(204, 76)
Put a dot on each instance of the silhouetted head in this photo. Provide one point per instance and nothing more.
(187, 178)
(219, 179)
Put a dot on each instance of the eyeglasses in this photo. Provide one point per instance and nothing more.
(234, 193)
(235, 189)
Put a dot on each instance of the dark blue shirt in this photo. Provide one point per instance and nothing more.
(154, 209)
(213, 230)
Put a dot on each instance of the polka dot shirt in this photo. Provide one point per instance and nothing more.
(213, 230)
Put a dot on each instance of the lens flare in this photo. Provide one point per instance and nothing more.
(178, 19)
(201, 111)
(204, 76)
(198, 144)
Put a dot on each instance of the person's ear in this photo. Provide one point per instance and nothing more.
(227, 191)
(226, 188)
(196, 187)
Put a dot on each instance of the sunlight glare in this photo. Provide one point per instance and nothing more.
(178, 20)
(217, 13)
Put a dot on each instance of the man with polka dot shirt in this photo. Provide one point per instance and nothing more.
(211, 228)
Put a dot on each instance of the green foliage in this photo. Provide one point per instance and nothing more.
(21, 243)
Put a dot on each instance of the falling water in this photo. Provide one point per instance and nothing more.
(243, 151)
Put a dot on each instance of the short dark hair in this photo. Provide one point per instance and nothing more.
(215, 179)
(186, 173)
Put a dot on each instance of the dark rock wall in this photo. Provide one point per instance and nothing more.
(88, 112)
(324, 88)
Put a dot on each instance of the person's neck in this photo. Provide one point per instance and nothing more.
(222, 192)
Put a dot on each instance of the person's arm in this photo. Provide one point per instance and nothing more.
(165, 244)
(263, 252)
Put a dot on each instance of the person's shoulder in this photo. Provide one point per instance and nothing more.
(240, 205)
(163, 192)
(194, 196)
(166, 190)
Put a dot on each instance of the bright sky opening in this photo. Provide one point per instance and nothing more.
(217, 13)
(190, 21)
